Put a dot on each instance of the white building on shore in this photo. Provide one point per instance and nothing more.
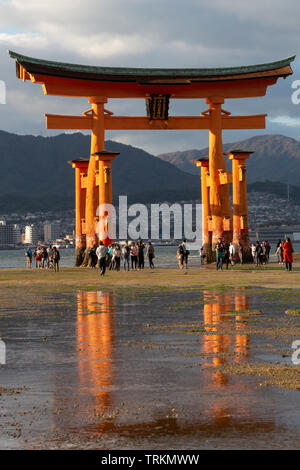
(16, 234)
(31, 234)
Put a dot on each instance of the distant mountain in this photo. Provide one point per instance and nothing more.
(184, 159)
(35, 173)
(275, 158)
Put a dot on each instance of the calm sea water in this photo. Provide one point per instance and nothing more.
(165, 257)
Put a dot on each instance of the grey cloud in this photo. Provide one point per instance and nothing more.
(156, 33)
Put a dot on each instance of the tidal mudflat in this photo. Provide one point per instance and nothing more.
(149, 368)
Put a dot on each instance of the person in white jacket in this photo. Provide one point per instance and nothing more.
(101, 255)
(253, 252)
(116, 257)
(232, 253)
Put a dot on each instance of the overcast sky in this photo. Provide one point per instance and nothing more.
(150, 33)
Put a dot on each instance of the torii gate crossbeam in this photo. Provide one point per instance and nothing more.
(55, 121)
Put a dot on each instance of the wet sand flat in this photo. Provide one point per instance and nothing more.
(110, 365)
(269, 276)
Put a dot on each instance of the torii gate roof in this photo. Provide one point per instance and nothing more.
(67, 79)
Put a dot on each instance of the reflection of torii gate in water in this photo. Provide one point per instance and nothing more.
(100, 369)
(157, 87)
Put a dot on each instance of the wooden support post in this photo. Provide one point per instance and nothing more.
(105, 195)
(240, 206)
(219, 193)
(81, 167)
(206, 212)
(78, 228)
(97, 144)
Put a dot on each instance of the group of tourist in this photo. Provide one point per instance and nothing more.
(284, 252)
(45, 257)
(227, 253)
(260, 253)
(132, 255)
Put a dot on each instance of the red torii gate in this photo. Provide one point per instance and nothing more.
(157, 87)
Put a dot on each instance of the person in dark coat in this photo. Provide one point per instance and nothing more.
(226, 258)
(141, 259)
(56, 258)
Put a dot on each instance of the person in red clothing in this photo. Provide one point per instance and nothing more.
(288, 254)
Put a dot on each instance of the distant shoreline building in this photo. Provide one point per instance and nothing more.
(16, 234)
(51, 231)
(5, 234)
(31, 234)
(10, 235)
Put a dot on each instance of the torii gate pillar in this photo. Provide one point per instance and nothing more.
(105, 215)
(240, 205)
(206, 212)
(81, 168)
(97, 144)
(220, 207)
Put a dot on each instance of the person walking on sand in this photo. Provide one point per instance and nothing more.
(150, 254)
(101, 253)
(258, 254)
(29, 257)
(263, 253)
(111, 261)
(49, 252)
(240, 252)
(56, 258)
(133, 255)
(220, 250)
(38, 257)
(232, 254)
(268, 249)
(253, 252)
(288, 254)
(141, 259)
(226, 257)
(186, 254)
(93, 257)
(181, 254)
(279, 252)
(117, 254)
(126, 254)
(202, 255)
(45, 257)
